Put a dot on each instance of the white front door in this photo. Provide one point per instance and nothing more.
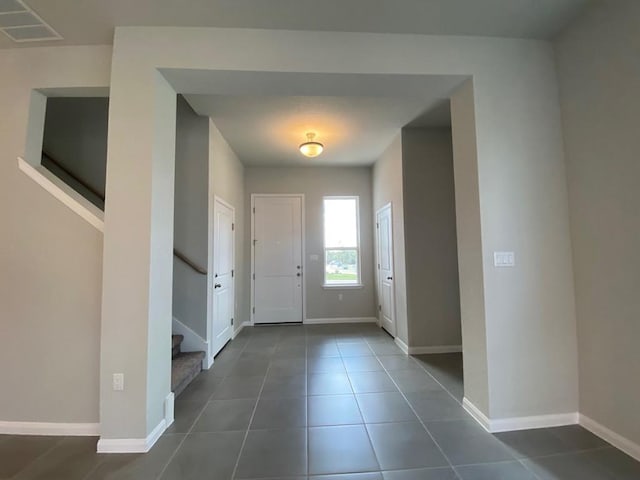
(223, 275)
(384, 242)
(277, 240)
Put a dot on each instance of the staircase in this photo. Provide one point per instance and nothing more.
(185, 366)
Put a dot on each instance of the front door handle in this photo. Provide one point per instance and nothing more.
(217, 285)
(389, 278)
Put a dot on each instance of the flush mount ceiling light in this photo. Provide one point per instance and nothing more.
(310, 148)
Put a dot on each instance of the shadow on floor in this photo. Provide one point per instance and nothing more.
(305, 402)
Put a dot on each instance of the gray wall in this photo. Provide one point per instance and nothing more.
(75, 135)
(191, 217)
(227, 182)
(470, 255)
(599, 77)
(314, 183)
(433, 291)
(50, 291)
(387, 188)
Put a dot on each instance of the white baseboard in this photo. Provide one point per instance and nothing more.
(536, 421)
(317, 321)
(239, 329)
(49, 428)
(169, 403)
(496, 425)
(627, 446)
(477, 414)
(435, 349)
(207, 361)
(402, 346)
(132, 445)
(192, 341)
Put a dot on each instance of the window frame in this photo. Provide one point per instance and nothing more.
(357, 248)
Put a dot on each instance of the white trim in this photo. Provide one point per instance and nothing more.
(403, 346)
(49, 428)
(357, 247)
(318, 321)
(518, 423)
(435, 349)
(342, 286)
(235, 333)
(477, 414)
(304, 253)
(64, 193)
(394, 333)
(537, 421)
(132, 445)
(627, 446)
(207, 361)
(211, 273)
(169, 403)
(192, 341)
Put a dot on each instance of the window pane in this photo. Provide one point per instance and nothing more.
(341, 266)
(340, 223)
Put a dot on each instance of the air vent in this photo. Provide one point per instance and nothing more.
(11, 6)
(21, 24)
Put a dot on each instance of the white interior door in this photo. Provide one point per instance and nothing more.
(384, 241)
(277, 247)
(223, 275)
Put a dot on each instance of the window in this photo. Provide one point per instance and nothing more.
(341, 241)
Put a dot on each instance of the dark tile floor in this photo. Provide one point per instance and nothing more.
(326, 402)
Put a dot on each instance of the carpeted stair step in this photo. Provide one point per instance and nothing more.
(184, 368)
(176, 340)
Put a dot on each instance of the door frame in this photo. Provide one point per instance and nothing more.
(387, 206)
(253, 251)
(211, 269)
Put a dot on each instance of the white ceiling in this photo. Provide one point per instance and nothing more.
(83, 22)
(266, 131)
(265, 115)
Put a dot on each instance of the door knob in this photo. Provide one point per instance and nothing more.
(389, 278)
(298, 274)
(217, 285)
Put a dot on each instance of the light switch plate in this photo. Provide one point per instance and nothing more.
(504, 259)
(314, 257)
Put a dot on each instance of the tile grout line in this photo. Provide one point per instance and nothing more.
(420, 420)
(437, 381)
(358, 404)
(44, 454)
(253, 413)
(520, 461)
(459, 403)
(186, 435)
(256, 340)
(524, 465)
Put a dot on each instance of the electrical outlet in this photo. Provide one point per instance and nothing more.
(118, 382)
(504, 259)
(340, 297)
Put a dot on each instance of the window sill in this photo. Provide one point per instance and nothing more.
(342, 286)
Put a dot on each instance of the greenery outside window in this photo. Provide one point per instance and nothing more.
(341, 241)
